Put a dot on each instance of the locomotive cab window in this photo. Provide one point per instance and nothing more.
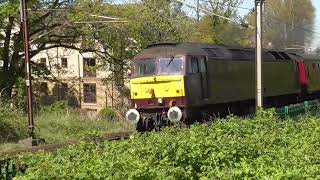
(170, 65)
(145, 68)
(157, 66)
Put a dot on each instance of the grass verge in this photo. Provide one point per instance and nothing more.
(56, 124)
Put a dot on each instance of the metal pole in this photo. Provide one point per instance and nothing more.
(259, 63)
(24, 24)
(198, 10)
(112, 81)
(79, 74)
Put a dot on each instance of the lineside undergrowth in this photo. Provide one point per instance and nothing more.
(263, 148)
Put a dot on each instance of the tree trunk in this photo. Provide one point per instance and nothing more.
(5, 76)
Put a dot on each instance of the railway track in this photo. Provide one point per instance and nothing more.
(52, 147)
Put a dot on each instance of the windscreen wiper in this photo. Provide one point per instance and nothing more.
(171, 59)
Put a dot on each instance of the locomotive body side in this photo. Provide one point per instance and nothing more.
(234, 80)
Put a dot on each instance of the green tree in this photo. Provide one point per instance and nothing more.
(146, 22)
(45, 30)
(285, 22)
(213, 29)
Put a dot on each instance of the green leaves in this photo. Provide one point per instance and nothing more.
(260, 148)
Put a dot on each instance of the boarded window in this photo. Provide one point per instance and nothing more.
(63, 91)
(44, 87)
(89, 67)
(89, 93)
(64, 62)
(43, 61)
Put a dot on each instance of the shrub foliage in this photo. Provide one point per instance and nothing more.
(13, 126)
(261, 148)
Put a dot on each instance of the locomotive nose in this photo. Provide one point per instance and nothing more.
(174, 114)
(132, 116)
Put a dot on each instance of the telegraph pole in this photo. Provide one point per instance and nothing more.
(259, 62)
(24, 24)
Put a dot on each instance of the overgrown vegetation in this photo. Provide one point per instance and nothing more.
(12, 124)
(263, 148)
(57, 123)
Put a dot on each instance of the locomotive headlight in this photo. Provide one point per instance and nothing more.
(160, 100)
(174, 114)
(132, 116)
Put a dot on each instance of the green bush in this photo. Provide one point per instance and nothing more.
(233, 148)
(107, 114)
(13, 124)
(59, 106)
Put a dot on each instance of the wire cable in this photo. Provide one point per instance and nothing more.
(295, 26)
(233, 6)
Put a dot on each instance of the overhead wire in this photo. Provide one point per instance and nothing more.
(267, 16)
(233, 6)
(215, 14)
(295, 26)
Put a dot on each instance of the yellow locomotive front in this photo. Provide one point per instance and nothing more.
(157, 90)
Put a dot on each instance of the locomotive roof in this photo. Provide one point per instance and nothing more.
(168, 49)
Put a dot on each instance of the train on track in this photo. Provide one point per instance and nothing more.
(189, 82)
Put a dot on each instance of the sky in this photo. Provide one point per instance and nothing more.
(316, 4)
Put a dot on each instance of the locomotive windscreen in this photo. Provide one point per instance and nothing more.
(144, 68)
(170, 66)
(160, 66)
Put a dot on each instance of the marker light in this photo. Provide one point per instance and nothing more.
(132, 116)
(174, 114)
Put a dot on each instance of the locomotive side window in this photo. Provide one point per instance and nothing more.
(202, 65)
(194, 65)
